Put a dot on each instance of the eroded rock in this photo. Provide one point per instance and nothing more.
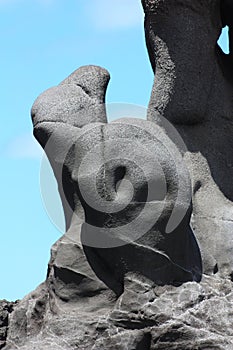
(115, 282)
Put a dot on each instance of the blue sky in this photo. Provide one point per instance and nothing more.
(42, 42)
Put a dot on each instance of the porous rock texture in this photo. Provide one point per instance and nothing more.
(108, 286)
(5, 309)
(121, 231)
(193, 89)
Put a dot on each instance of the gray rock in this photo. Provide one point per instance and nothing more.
(226, 15)
(181, 38)
(57, 115)
(190, 317)
(126, 274)
(6, 309)
(193, 90)
(128, 231)
(78, 100)
(96, 165)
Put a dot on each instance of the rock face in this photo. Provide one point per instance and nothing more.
(190, 317)
(128, 180)
(128, 273)
(6, 308)
(193, 89)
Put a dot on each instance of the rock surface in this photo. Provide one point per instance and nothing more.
(190, 317)
(193, 89)
(6, 309)
(127, 185)
(106, 287)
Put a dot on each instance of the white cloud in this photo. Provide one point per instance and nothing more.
(114, 14)
(23, 146)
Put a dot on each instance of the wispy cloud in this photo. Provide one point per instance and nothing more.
(23, 146)
(115, 14)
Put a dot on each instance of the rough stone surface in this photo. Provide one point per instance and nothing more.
(78, 100)
(123, 231)
(127, 272)
(193, 316)
(193, 88)
(189, 67)
(6, 309)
